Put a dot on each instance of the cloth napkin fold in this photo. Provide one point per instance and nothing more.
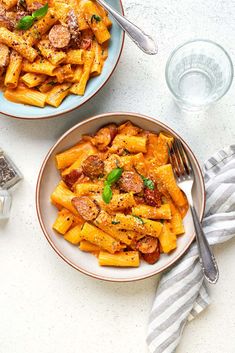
(182, 293)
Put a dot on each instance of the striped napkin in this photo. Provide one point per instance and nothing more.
(182, 292)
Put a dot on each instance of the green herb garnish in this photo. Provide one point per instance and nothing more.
(107, 193)
(95, 17)
(115, 222)
(27, 21)
(139, 219)
(148, 183)
(112, 178)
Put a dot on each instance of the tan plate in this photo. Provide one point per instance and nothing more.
(49, 177)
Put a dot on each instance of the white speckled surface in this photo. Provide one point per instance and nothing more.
(46, 306)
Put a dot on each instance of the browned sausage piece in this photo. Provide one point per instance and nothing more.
(72, 22)
(153, 197)
(153, 257)
(93, 167)
(131, 182)
(105, 136)
(59, 36)
(72, 177)
(147, 245)
(86, 207)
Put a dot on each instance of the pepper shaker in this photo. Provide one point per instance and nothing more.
(9, 177)
(9, 173)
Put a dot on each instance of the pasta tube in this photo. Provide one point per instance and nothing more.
(63, 196)
(64, 221)
(103, 240)
(121, 259)
(68, 157)
(48, 84)
(140, 225)
(95, 22)
(34, 34)
(79, 88)
(75, 57)
(103, 13)
(77, 74)
(118, 202)
(32, 80)
(74, 235)
(55, 57)
(167, 239)
(87, 189)
(13, 70)
(98, 61)
(105, 222)
(133, 144)
(16, 42)
(88, 247)
(41, 66)
(57, 94)
(163, 212)
(64, 73)
(166, 176)
(26, 96)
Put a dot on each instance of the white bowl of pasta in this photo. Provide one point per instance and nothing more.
(55, 55)
(106, 207)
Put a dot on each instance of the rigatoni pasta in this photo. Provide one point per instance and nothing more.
(129, 204)
(57, 47)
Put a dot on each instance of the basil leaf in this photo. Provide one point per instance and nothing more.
(139, 219)
(148, 183)
(40, 12)
(114, 176)
(95, 17)
(107, 194)
(115, 222)
(25, 22)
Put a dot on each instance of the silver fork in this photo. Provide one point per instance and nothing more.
(139, 37)
(184, 174)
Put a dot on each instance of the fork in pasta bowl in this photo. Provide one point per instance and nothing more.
(185, 177)
(107, 200)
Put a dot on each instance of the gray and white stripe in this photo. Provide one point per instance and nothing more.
(182, 293)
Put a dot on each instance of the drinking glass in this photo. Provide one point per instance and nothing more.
(198, 73)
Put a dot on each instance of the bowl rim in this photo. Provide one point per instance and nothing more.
(67, 111)
(38, 185)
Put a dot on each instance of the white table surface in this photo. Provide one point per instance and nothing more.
(45, 305)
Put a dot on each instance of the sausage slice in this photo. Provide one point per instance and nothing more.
(85, 207)
(147, 245)
(153, 197)
(153, 257)
(131, 182)
(59, 36)
(93, 167)
(72, 177)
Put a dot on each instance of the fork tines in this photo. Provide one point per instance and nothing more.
(179, 160)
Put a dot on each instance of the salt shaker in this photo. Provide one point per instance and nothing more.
(5, 204)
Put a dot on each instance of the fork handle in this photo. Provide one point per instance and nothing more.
(141, 39)
(206, 257)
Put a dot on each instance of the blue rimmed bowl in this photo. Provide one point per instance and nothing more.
(72, 102)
